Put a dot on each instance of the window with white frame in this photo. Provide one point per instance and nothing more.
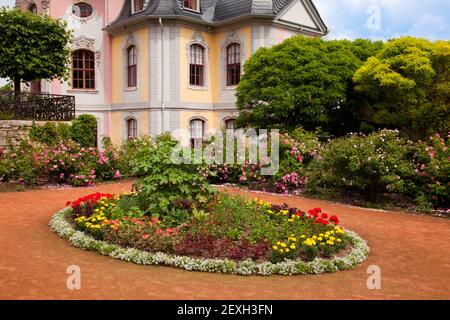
(230, 124)
(197, 132)
(197, 65)
(193, 5)
(132, 129)
(131, 67)
(137, 5)
(233, 64)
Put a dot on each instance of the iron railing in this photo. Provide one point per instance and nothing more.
(39, 107)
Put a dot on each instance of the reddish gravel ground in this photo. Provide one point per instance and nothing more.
(413, 253)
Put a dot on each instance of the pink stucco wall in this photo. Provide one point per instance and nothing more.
(108, 10)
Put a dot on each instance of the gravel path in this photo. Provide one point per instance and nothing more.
(413, 253)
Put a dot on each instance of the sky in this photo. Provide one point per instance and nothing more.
(386, 19)
(379, 19)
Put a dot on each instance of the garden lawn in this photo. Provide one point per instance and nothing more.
(413, 253)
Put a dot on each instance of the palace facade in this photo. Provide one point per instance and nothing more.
(150, 66)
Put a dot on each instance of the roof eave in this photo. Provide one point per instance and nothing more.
(117, 27)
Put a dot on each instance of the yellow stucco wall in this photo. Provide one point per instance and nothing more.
(143, 123)
(118, 68)
(116, 128)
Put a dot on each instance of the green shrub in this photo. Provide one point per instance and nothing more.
(18, 164)
(432, 161)
(64, 131)
(163, 182)
(84, 130)
(47, 133)
(50, 133)
(370, 165)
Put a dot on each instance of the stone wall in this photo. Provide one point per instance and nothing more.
(15, 130)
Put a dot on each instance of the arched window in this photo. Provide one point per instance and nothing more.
(82, 10)
(197, 131)
(138, 5)
(33, 8)
(132, 66)
(197, 65)
(83, 69)
(233, 64)
(230, 124)
(132, 130)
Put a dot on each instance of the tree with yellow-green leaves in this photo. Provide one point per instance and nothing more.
(407, 86)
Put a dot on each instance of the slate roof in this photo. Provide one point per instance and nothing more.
(211, 11)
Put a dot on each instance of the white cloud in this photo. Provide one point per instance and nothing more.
(347, 18)
(7, 3)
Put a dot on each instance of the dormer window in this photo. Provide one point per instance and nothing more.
(137, 5)
(193, 5)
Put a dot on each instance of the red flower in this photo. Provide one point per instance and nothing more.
(324, 216)
(145, 236)
(334, 219)
(314, 213)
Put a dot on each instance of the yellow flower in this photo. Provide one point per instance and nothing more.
(281, 251)
(284, 245)
(275, 248)
(291, 220)
(319, 239)
(287, 250)
(321, 235)
(97, 210)
(338, 240)
(293, 246)
(332, 238)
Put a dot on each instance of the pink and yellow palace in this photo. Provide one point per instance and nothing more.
(150, 66)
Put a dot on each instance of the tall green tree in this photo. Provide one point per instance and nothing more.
(407, 86)
(302, 81)
(32, 47)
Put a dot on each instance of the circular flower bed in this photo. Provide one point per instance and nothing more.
(233, 235)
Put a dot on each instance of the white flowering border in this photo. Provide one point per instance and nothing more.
(358, 255)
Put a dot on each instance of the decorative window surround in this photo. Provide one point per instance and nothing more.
(82, 19)
(130, 42)
(197, 38)
(230, 38)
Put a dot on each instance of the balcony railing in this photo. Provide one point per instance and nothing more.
(39, 107)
